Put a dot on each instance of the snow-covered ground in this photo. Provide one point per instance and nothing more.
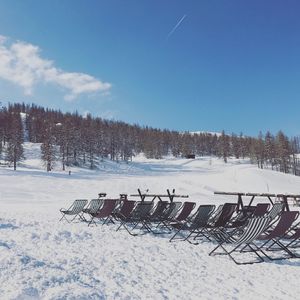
(41, 258)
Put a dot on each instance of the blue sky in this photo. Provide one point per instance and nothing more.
(232, 65)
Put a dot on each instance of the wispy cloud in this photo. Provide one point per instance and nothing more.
(22, 64)
(176, 26)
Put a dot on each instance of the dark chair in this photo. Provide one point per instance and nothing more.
(125, 210)
(261, 209)
(182, 216)
(240, 219)
(285, 222)
(197, 222)
(119, 205)
(292, 242)
(74, 210)
(223, 217)
(138, 216)
(160, 212)
(169, 214)
(105, 212)
(216, 214)
(250, 211)
(220, 220)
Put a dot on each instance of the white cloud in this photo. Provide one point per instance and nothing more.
(2, 38)
(22, 64)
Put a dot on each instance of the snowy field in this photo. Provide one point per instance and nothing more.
(41, 258)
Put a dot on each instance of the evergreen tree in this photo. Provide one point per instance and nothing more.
(259, 148)
(48, 149)
(283, 151)
(82, 140)
(236, 145)
(224, 146)
(14, 148)
(270, 149)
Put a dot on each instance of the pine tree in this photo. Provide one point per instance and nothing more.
(294, 146)
(283, 151)
(236, 145)
(48, 148)
(270, 149)
(224, 146)
(260, 150)
(14, 147)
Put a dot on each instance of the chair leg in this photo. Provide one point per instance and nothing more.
(218, 246)
(133, 234)
(81, 217)
(246, 263)
(202, 233)
(235, 249)
(125, 227)
(284, 248)
(73, 218)
(281, 247)
(189, 236)
(108, 220)
(176, 233)
(92, 222)
(64, 217)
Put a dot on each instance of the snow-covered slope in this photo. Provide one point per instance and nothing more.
(41, 258)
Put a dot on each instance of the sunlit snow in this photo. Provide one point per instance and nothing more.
(42, 258)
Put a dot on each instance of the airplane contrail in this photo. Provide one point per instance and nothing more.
(176, 26)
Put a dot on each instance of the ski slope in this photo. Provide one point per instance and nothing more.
(41, 258)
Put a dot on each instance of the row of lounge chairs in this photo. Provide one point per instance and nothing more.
(260, 230)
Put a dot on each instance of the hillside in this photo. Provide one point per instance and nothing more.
(74, 140)
(42, 258)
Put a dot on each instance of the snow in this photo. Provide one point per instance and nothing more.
(206, 132)
(41, 258)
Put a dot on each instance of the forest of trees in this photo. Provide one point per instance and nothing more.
(71, 139)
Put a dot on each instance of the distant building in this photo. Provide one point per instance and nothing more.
(190, 156)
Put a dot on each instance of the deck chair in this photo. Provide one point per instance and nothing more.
(212, 219)
(261, 209)
(240, 219)
(228, 210)
(251, 211)
(272, 238)
(248, 209)
(159, 213)
(92, 207)
(74, 210)
(119, 204)
(220, 220)
(292, 242)
(137, 216)
(195, 223)
(169, 214)
(182, 216)
(125, 210)
(252, 230)
(105, 212)
(216, 214)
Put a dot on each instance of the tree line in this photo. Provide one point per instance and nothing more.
(73, 140)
